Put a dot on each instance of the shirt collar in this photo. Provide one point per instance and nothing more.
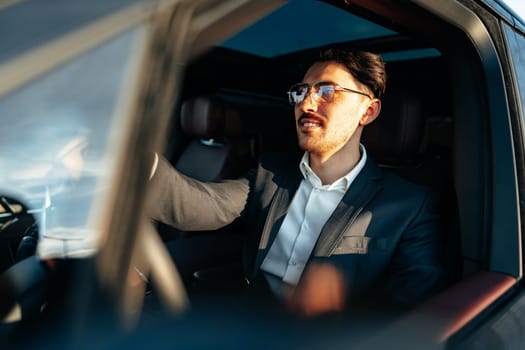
(341, 183)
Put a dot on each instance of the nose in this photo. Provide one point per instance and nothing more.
(309, 104)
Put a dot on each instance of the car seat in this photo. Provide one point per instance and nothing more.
(227, 130)
(399, 140)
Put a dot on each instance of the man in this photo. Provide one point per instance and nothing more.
(331, 227)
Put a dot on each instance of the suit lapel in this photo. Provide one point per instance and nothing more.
(277, 212)
(362, 190)
(287, 184)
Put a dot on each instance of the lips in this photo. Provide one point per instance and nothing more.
(307, 121)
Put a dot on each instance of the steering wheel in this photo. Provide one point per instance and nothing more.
(18, 232)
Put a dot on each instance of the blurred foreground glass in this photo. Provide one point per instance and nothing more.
(57, 138)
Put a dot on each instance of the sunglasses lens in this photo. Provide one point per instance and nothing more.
(324, 93)
(297, 93)
(321, 92)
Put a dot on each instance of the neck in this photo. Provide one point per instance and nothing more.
(329, 168)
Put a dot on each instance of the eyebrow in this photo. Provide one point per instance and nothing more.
(327, 82)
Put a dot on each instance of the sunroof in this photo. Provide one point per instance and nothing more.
(411, 54)
(303, 24)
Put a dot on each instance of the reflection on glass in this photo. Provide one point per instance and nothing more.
(56, 140)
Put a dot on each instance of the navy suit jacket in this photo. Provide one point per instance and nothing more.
(384, 235)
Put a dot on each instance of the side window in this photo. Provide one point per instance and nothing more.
(517, 51)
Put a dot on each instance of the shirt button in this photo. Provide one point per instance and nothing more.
(293, 262)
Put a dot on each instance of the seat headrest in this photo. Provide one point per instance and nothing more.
(229, 113)
(395, 137)
(208, 117)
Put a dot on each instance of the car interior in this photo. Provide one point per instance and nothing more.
(233, 107)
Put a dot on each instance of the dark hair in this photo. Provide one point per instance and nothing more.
(368, 68)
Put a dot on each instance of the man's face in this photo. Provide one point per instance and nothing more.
(323, 128)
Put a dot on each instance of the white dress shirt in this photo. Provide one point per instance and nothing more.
(311, 206)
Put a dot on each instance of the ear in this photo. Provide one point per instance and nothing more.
(371, 113)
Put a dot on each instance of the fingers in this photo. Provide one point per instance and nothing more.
(321, 290)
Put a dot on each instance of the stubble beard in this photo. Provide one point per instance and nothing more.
(319, 145)
(314, 145)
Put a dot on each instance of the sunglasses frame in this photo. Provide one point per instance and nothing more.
(319, 85)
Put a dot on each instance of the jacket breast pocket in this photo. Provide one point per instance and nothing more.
(354, 240)
(353, 245)
(363, 245)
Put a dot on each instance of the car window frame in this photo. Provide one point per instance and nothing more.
(495, 284)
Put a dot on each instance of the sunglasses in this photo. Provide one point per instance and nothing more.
(322, 92)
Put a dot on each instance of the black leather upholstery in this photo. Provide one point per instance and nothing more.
(397, 140)
(229, 130)
(221, 146)
(209, 117)
(395, 137)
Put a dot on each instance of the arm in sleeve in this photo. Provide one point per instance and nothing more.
(189, 204)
